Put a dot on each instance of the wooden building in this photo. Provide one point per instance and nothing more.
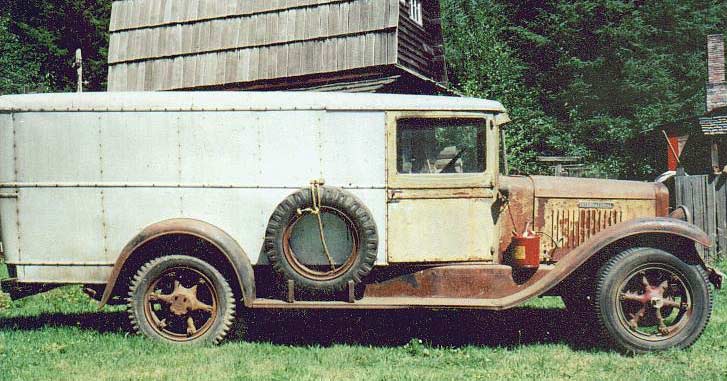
(699, 144)
(696, 151)
(345, 45)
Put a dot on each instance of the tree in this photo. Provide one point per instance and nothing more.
(17, 73)
(482, 64)
(611, 71)
(49, 32)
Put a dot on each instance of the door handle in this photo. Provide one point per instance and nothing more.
(393, 193)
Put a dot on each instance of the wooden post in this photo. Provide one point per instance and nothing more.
(715, 156)
(79, 70)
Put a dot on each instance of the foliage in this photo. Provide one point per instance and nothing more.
(46, 35)
(17, 74)
(482, 64)
(605, 72)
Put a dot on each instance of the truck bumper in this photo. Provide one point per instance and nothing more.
(716, 277)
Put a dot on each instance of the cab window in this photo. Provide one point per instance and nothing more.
(440, 146)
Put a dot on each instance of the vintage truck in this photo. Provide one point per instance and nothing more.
(194, 208)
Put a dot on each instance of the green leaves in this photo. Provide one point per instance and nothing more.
(45, 36)
(586, 77)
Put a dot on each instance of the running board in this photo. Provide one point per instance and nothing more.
(384, 303)
(465, 286)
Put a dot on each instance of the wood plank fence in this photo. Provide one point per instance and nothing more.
(705, 196)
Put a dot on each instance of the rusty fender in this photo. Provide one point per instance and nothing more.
(200, 229)
(578, 256)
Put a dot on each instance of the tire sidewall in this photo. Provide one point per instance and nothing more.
(346, 203)
(615, 272)
(155, 268)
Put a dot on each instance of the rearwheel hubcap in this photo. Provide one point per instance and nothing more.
(181, 304)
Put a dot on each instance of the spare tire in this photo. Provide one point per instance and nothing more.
(345, 251)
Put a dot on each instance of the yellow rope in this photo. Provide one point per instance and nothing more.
(315, 191)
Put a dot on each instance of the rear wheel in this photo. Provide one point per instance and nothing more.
(181, 299)
(649, 300)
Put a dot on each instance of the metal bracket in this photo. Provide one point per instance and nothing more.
(291, 291)
(351, 291)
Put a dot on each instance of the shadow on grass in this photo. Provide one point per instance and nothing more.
(101, 322)
(519, 326)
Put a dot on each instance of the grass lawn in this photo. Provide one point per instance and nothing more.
(62, 335)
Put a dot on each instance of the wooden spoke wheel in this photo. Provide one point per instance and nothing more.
(654, 302)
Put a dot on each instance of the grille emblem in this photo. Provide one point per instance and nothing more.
(595, 205)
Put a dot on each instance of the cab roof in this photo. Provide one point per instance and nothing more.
(240, 101)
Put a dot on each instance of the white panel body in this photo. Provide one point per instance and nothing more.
(8, 206)
(57, 146)
(92, 170)
(140, 147)
(88, 182)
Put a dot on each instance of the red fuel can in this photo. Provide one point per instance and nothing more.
(525, 252)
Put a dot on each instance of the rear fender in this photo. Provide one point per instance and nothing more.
(215, 236)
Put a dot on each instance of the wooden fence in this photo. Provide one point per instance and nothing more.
(706, 198)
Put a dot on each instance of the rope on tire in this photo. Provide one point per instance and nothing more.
(315, 191)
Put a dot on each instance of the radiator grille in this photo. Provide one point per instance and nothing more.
(572, 227)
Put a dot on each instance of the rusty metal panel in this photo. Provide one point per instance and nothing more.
(475, 281)
(569, 223)
(437, 230)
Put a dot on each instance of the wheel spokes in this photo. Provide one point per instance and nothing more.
(648, 298)
(632, 297)
(184, 312)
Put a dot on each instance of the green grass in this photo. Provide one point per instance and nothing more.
(61, 335)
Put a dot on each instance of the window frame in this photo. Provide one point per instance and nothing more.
(484, 179)
(416, 13)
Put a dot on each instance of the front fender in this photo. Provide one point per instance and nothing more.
(655, 226)
(200, 229)
(668, 227)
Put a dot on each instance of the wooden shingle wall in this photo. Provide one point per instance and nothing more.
(420, 47)
(174, 44)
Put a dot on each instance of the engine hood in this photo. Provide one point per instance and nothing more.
(570, 187)
(569, 210)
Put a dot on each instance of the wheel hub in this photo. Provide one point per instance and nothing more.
(648, 300)
(181, 314)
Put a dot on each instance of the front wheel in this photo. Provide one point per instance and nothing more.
(649, 300)
(181, 299)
